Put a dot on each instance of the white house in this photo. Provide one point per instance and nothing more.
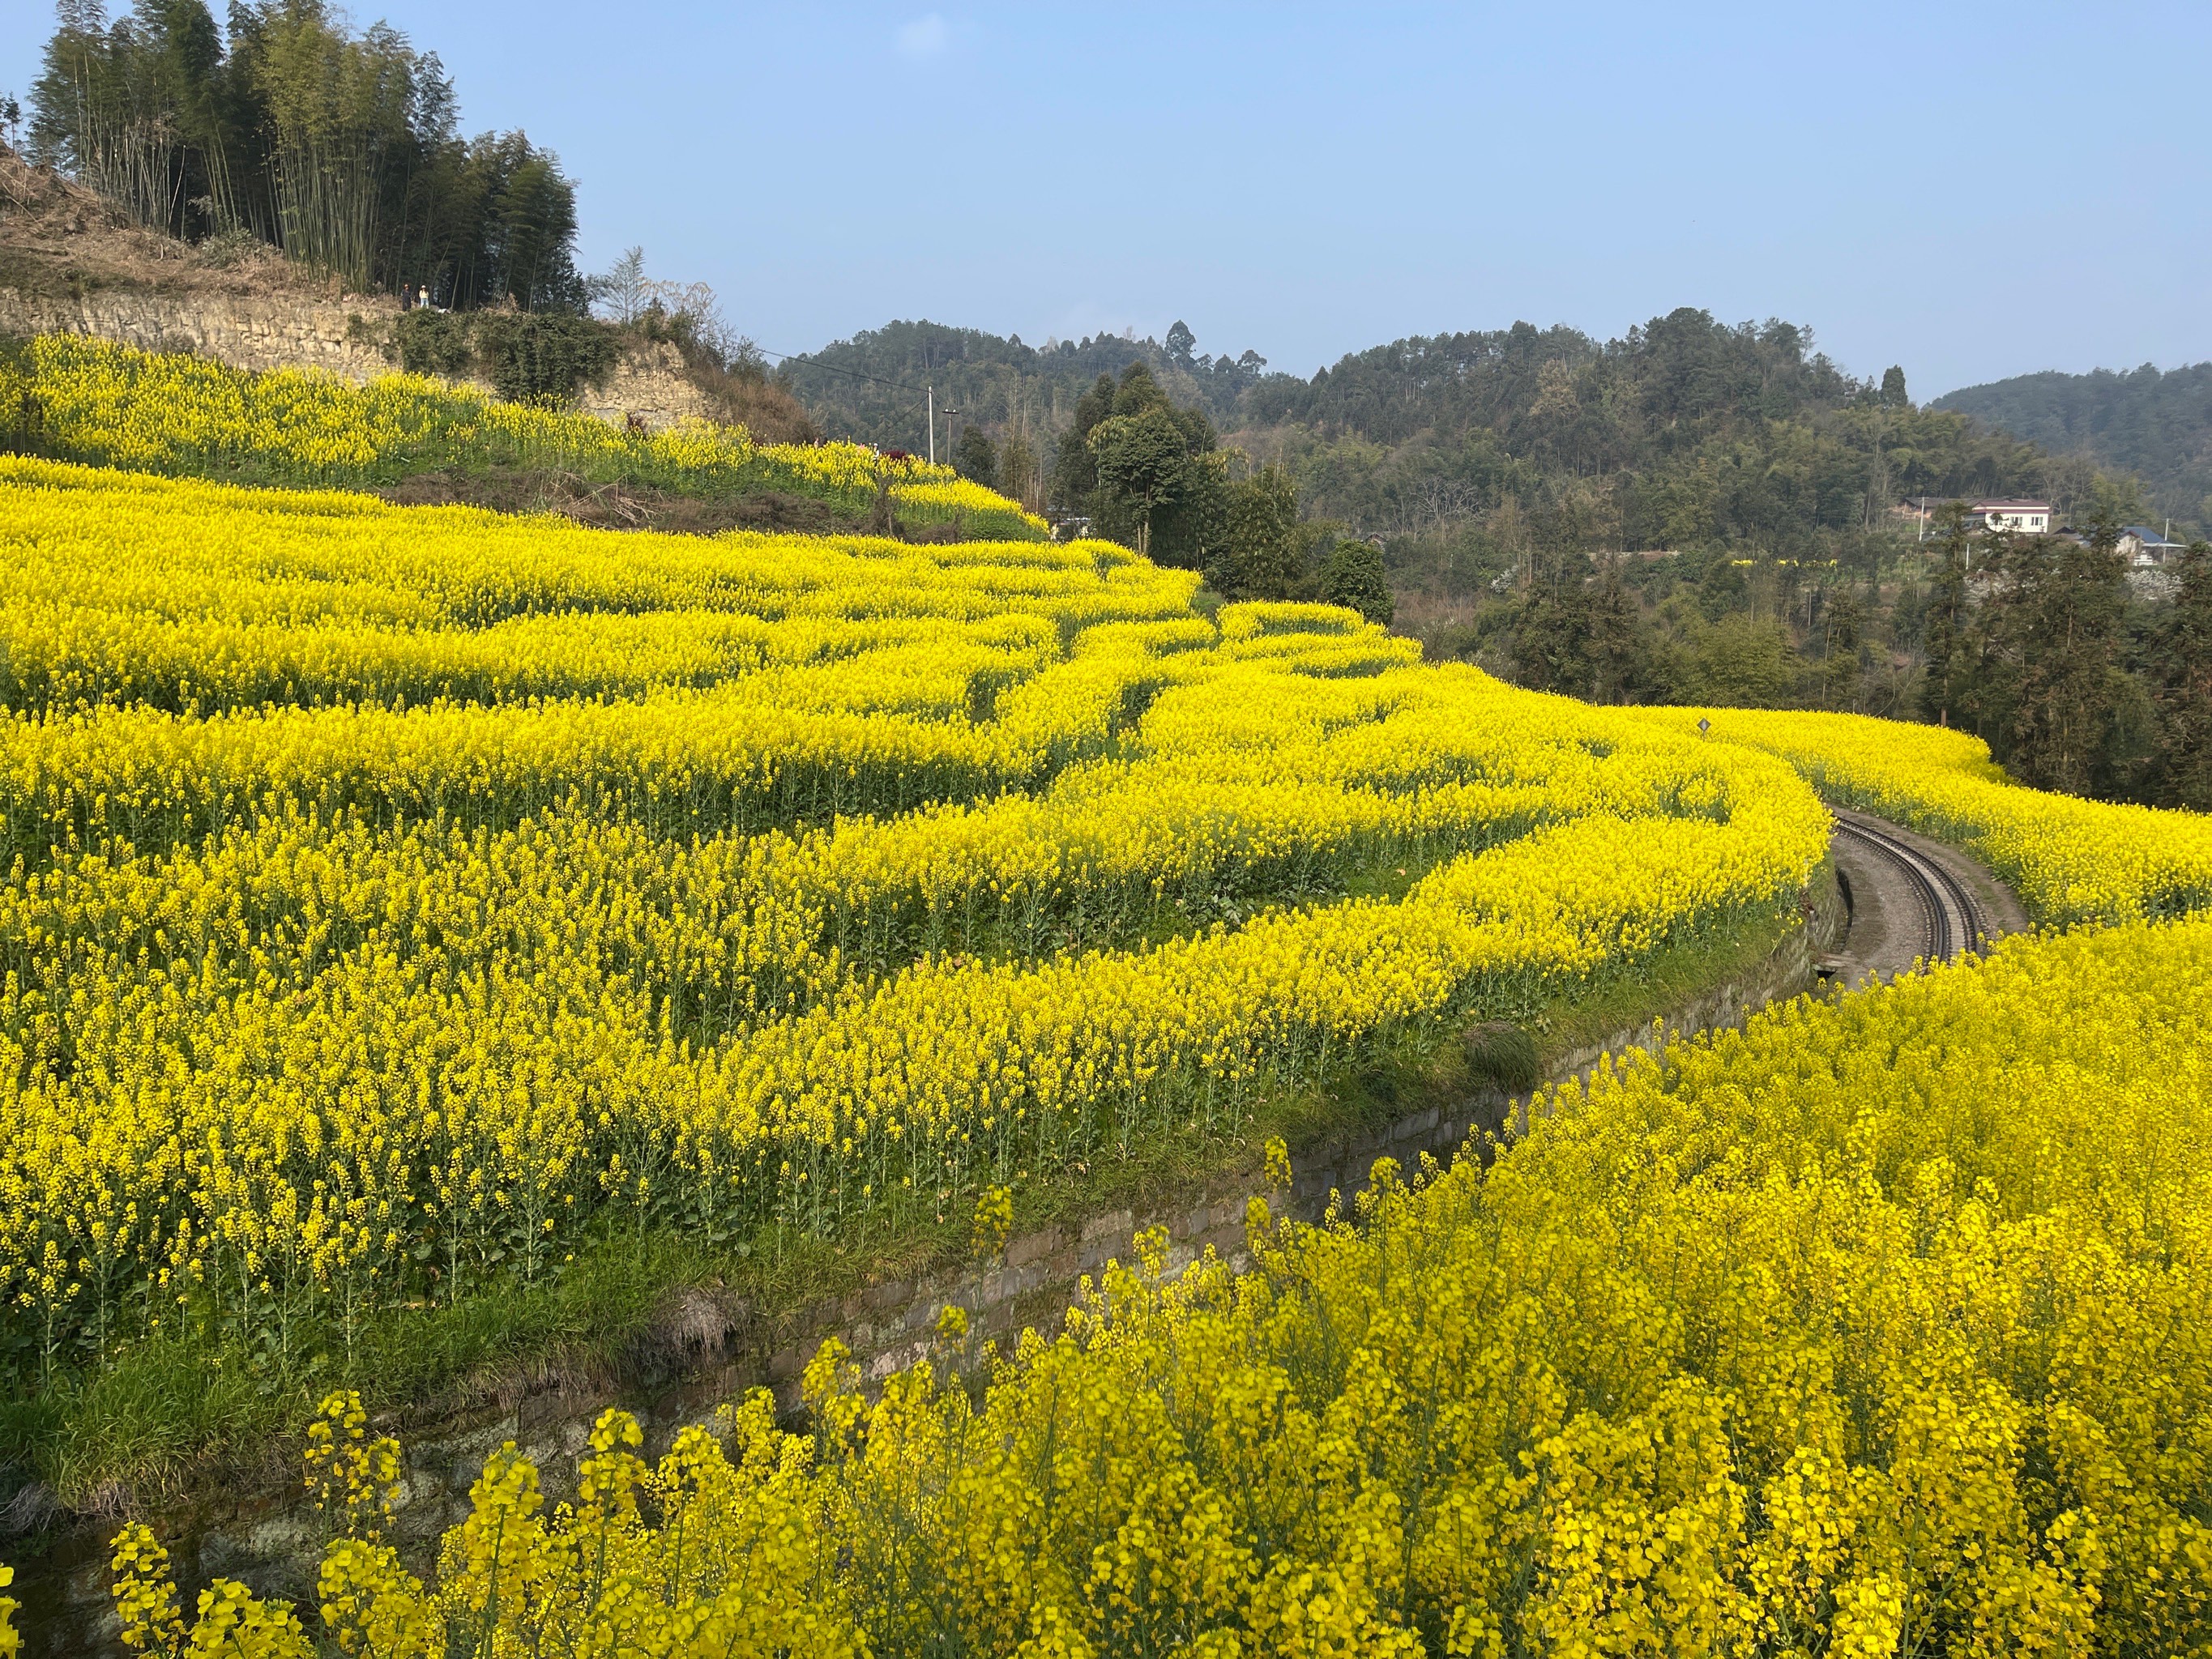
(1989, 513)
(2028, 517)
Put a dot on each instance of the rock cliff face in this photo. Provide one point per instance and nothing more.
(259, 331)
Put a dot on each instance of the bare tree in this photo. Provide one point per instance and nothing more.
(621, 293)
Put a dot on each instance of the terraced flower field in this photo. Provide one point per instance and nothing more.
(401, 893)
(93, 400)
(402, 902)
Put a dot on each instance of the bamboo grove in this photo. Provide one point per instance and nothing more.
(283, 125)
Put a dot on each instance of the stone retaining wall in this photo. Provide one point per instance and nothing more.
(714, 1353)
(257, 333)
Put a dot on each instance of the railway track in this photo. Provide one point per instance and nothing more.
(1952, 923)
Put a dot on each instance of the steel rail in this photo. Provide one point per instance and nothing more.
(1951, 921)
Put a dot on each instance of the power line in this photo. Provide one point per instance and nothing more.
(816, 362)
(928, 393)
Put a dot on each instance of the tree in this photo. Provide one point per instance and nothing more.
(621, 291)
(1017, 469)
(1259, 556)
(1180, 343)
(2183, 771)
(2062, 631)
(1842, 622)
(1074, 467)
(1144, 470)
(974, 457)
(1144, 464)
(1945, 627)
(1892, 388)
(1353, 578)
(1614, 650)
(1742, 664)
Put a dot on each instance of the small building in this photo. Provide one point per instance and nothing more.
(2145, 549)
(2029, 518)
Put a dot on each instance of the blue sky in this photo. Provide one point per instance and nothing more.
(1972, 191)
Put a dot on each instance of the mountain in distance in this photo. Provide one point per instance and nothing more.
(1685, 432)
(872, 387)
(2155, 425)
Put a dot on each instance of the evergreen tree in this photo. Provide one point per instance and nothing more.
(1259, 556)
(2183, 765)
(1074, 468)
(1842, 622)
(973, 457)
(1614, 651)
(2064, 627)
(1144, 467)
(1353, 578)
(1946, 623)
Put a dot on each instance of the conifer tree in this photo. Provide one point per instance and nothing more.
(2185, 699)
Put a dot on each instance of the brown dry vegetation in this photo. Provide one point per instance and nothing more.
(753, 401)
(60, 240)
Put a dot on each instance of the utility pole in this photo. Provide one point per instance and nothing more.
(932, 392)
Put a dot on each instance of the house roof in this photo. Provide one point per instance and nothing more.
(2147, 536)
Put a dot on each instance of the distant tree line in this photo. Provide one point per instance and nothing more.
(1685, 434)
(2036, 644)
(2078, 681)
(342, 150)
(870, 386)
(2156, 426)
(1135, 466)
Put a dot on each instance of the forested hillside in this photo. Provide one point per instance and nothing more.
(2157, 426)
(1694, 512)
(1685, 434)
(870, 387)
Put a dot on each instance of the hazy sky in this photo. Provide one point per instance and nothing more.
(1971, 189)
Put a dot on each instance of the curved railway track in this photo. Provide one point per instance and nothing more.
(1951, 921)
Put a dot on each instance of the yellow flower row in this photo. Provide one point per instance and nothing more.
(2071, 860)
(756, 883)
(1789, 1345)
(97, 401)
(190, 596)
(277, 1068)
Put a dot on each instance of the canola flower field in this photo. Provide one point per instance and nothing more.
(93, 400)
(397, 898)
(2070, 859)
(398, 894)
(1883, 1327)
